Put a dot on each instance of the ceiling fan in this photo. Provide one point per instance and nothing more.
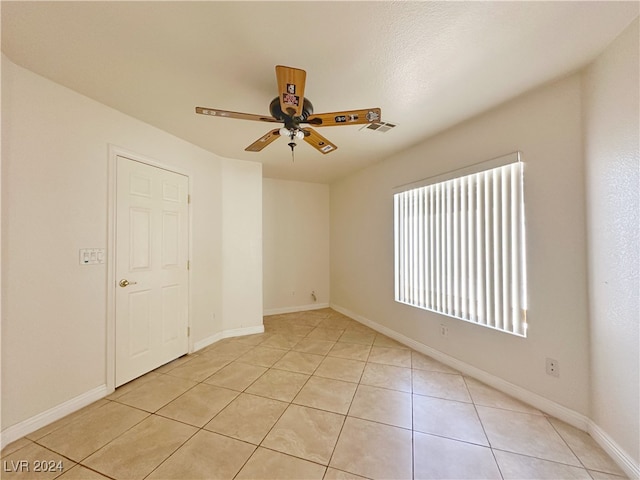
(295, 111)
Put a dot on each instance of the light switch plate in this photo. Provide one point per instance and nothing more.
(92, 256)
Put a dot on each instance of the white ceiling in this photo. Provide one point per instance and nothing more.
(427, 65)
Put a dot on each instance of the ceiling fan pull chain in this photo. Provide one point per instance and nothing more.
(292, 144)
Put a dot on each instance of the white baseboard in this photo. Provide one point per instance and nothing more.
(543, 404)
(298, 308)
(236, 332)
(30, 425)
(205, 342)
(15, 432)
(617, 454)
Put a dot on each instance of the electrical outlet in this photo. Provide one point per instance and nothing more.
(553, 367)
(444, 330)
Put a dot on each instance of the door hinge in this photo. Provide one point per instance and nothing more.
(188, 265)
(188, 198)
(188, 331)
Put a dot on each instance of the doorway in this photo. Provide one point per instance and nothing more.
(150, 278)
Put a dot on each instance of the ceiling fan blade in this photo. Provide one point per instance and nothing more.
(291, 89)
(317, 141)
(241, 116)
(264, 141)
(349, 117)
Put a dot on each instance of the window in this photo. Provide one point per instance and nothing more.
(459, 245)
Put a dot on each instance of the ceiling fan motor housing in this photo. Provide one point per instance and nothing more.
(289, 121)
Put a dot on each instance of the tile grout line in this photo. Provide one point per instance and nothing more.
(413, 429)
(198, 382)
(568, 446)
(239, 393)
(174, 451)
(484, 430)
(346, 416)
(288, 349)
(260, 444)
(326, 355)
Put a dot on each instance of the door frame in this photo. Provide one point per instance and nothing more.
(114, 153)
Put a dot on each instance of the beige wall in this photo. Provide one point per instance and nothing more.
(611, 126)
(545, 126)
(295, 245)
(242, 244)
(580, 141)
(54, 202)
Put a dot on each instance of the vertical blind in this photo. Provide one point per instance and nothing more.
(459, 247)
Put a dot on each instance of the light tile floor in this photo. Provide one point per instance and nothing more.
(318, 395)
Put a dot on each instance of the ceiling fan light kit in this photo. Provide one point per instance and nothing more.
(295, 112)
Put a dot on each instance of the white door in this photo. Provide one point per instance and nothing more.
(151, 268)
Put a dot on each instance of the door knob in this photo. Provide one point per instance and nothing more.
(124, 282)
